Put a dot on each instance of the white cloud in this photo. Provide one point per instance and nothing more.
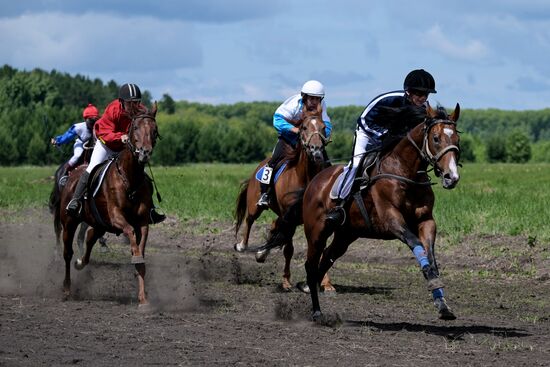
(469, 50)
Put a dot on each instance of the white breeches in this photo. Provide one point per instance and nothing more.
(99, 155)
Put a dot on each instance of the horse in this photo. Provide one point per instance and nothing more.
(122, 204)
(302, 164)
(397, 203)
(60, 179)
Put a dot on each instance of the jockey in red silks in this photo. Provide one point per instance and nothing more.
(111, 131)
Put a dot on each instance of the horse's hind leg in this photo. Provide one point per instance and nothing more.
(140, 268)
(250, 219)
(91, 238)
(81, 237)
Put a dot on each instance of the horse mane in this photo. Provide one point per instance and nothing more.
(402, 119)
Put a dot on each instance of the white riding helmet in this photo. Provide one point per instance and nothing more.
(313, 88)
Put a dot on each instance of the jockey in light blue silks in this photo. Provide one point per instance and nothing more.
(82, 131)
(285, 120)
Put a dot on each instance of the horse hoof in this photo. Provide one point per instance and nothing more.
(445, 312)
(316, 316)
(239, 247)
(261, 255)
(78, 264)
(302, 286)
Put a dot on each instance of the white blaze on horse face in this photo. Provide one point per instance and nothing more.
(449, 132)
(454, 169)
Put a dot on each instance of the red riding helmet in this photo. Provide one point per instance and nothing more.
(90, 112)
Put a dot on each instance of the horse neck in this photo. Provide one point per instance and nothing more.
(408, 155)
(306, 168)
(129, 164)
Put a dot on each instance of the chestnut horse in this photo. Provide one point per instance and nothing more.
(304, 162)
(397, 203)
(121, 205)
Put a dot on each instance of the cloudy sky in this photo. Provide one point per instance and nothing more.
(482, 53)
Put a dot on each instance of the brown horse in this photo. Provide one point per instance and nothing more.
(121, 205)
(397, 203)
(303, 163)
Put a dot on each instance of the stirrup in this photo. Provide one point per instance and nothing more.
(336, 215)
(264, 200)
(74, 208)
(63, 180)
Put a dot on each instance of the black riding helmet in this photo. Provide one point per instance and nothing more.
(421, 80)
(129, 92)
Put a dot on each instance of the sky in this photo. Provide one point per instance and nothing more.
(482, 53)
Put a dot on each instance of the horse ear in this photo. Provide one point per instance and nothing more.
(429, 111)
(154, 109)
(456, 113)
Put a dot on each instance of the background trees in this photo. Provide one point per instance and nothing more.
(36, 105)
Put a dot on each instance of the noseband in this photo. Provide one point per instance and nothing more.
(425, 152)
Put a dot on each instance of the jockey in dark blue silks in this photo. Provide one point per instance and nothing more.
(285, 120)
(370, 132)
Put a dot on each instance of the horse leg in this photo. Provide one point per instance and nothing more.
(336, 249)
(288, 252)
(250, 219)
(81, 237)
(92, 236)
(69, 229)
(427, 232)
(140, 268)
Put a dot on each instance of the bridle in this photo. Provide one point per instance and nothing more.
(133, 126)
(425, 152)
(306, 139)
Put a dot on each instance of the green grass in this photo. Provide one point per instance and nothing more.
(490, 199)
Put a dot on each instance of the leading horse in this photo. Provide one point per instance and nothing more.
(302, 164)
(397, 203)
(122, 204)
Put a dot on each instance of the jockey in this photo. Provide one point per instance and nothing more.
(285, 121)
(111, 133)
(369, 134)
(82, 131)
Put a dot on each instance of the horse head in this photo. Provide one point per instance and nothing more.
(143, 134)
(441, 144)
(312, 134)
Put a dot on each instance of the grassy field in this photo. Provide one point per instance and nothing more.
(490, 199)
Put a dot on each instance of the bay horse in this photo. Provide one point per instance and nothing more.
(397, 203)
(302, 164)
(122, 203)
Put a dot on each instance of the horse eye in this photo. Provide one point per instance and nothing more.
(436, 139)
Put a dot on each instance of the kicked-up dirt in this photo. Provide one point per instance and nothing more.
(213, 306)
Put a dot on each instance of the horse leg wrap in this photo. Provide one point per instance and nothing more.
(434, 282)
(138, 260)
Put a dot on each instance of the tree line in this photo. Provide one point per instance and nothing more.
(37, 105)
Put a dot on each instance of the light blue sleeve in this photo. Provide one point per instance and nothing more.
(67, 137)
(328, 128)
(281, 125)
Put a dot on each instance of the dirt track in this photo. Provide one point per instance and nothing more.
(212, 306)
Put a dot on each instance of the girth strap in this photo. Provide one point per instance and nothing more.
(359, 200)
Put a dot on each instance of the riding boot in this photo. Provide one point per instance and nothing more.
(156, 217)
(74, 206)
(337, 214)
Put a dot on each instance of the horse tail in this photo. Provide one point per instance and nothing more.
(54, 203)
(240, 209)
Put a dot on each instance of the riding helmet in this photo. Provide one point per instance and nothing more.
(129, 92)
(90, 111)
(421, 80)
(313, 88)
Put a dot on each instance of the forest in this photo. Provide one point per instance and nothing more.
(37, 105)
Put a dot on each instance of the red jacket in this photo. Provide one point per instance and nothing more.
(112, 125)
